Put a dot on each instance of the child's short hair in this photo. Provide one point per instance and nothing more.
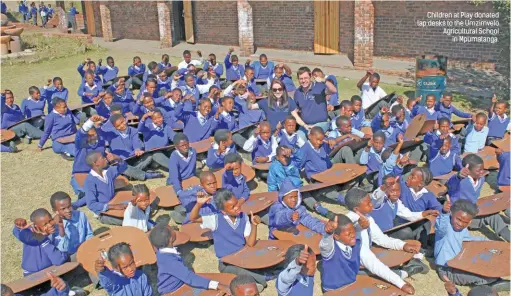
(57, 79)
(57, 101)
(204, 100)
(375, 76)
(241, 280)
(234, 57)
(396, 108)
(222, 196)
(58, 196)
(89, 73)
(158, 111)
(317, 70)
(280, 149)
(502, 102)
(186, 51)
(289, 117)
(356, 98)
(342, 221)
(248, 68)
(472, 160)
(213, 87)
(444, 120)
(263, 56)
(139, 188)
(264, 123)
(340, 120)
(354, 198)
(160, 236)
(379, 134)
(481, 115)
(386, 154)
(116, 251)
(164, 56)
(316, 130)
(294, 251)
(179, 137)
(115, 117)
(150, 79)
(483, 290)
(109, 58)
(39, 213)
(152, 65)
(346, 103)
(115, 107)
(386, 177)
(33, 89)
(6, 290)
(189, 75)
(464, 206)
(409, 101)
(92, 157)
(233, 158)
(427, 176)
(212, 55)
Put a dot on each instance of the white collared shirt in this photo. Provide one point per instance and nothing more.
(185, 159)
(101, 177)
(135, 217)
(202, 119)
(210, 222)
(370, 95)
(417, 195)
(299, 142)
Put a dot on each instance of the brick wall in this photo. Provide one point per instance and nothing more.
(97, 19)
(396, 32)
(215, 22)
(346, 19)
(283, 24)
(134, 20)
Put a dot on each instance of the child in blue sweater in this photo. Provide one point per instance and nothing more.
(381, 123)
(108, 72)
(414, 194)
(446, 109)
(156, 134)
(298, 276)
(34, 106)
(477, 132)
(504, 175)
(136, 71)
(49, 93)
(182, 161)
(75, 224)
(61, 122)
(341, 135)
(232, 230)
(233, 179)
(89, 91)
(188, 198)
(435, 138)
(289, 212)
(199, 125)
(172, 272)
(498, 121)
(445, 161)
(262, 145)
(228, 118)
(222, 147)
(58, 287)
(39, 246)
(398, 119)
(233, 70)
(428, 109)
(286, 134)
(11, 114)
(138, 211)
(99, 185)
(358, 118)
(372, 154)
(450, 233)
(125, 279)
(467, 185)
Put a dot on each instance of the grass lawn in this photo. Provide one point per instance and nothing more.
(28, 178)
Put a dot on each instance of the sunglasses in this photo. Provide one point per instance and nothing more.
(277, 89)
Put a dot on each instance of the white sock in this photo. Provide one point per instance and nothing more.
(404, 274)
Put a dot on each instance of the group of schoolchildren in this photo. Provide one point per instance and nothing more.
(392, 192)
(30, 12)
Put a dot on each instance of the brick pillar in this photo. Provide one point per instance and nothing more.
(363, 44)
(245, 28)
(106, 22)
(165, 23)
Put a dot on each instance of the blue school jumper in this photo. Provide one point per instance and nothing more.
(108, 73)
(443, 164)
(302, 286)
(31, 108)
(504, 175)
(125, 100)
(58, 126)
(99, 192)
(446, 112)
(219, 69)
(280, 214)
(358, 119)
(82, 72)
(278, 173)
(103, 110)
(312, 103)
(426, 201)
(38, 254)
(497, 126)
(261, 72)
(340, 268)
(194, 91)
(237, 185)
(433, 140)
(262, 149)
(401, 126)
(115, 284)
(430, 114)
(163, 84)
(246, 116)
(372, 160)
(197, 128)
(384, 215)
(288, 140)
(11, 115)
(215, 161)
(227, 120)
(229, 238)
(312, 160)
(155, 136)
(173, 273)
(163, 66)
(232, 73)
(124, 144)
(92, 91)
(276, 114)
(49, 93)
(188, 199)
(134, 70)
(464, 189)
(83, 148)
(181, 168)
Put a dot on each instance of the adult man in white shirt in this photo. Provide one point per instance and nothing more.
(187, 56)
(371, 93)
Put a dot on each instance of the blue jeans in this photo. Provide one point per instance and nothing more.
(303, 132)
(63, 148)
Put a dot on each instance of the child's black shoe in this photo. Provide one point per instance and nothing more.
(415, 266)
(153, 175)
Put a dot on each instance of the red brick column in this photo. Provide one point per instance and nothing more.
(106, 22)
(245, 28)
(363, 44)
(165, 23)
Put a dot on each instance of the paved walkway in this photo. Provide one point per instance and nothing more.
(339, 65)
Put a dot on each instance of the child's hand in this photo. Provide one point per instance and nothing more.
(331, 226)
(219, 111)
(255, 220)
(56, 282)
(369, 72)
(370, 143)
(262, 159)
(231, 49)
(248, 61)
(474, 117)
(303, 257)
(447, 206)
(96, 118)
(99, 265)
(449, 286)
(416, 140)
(442, 137)
(329, 108)
(139, 152)
(225, 290)
(100, 61)
(331, 143)
(203, 198)
(49, 82)
(494, 99)
(148, 114)
(400, 138)
(408, 289)
(405, 159)
(433, 213)
(21, 223)
(257, 131)
(58, 220)
(363, 222)
(414, 247)
(199, 53)
(177, 76)
(279, 126)
(464, 172)
(418, 99)
(111, 157)
(384, 110)
(498, 151)
(295, 216)
(96, 100)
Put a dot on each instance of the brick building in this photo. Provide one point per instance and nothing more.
(361, 29)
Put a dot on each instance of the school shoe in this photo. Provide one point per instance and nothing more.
(75, 291)
(67, 156)
(414, 267)
(13, 147)
(260, 287)
(323, 211)
(504, 234)
(153, 175)
(27, 140)
(501, 285)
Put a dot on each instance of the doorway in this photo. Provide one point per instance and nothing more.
(178, 22)
(326, 27)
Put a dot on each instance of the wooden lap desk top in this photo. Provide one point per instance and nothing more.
(484, 258)
(185, 290)
(304, 236)
(365, 285)
(265, 253)
(124, 197)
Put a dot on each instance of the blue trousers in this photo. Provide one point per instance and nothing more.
(63, 148)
